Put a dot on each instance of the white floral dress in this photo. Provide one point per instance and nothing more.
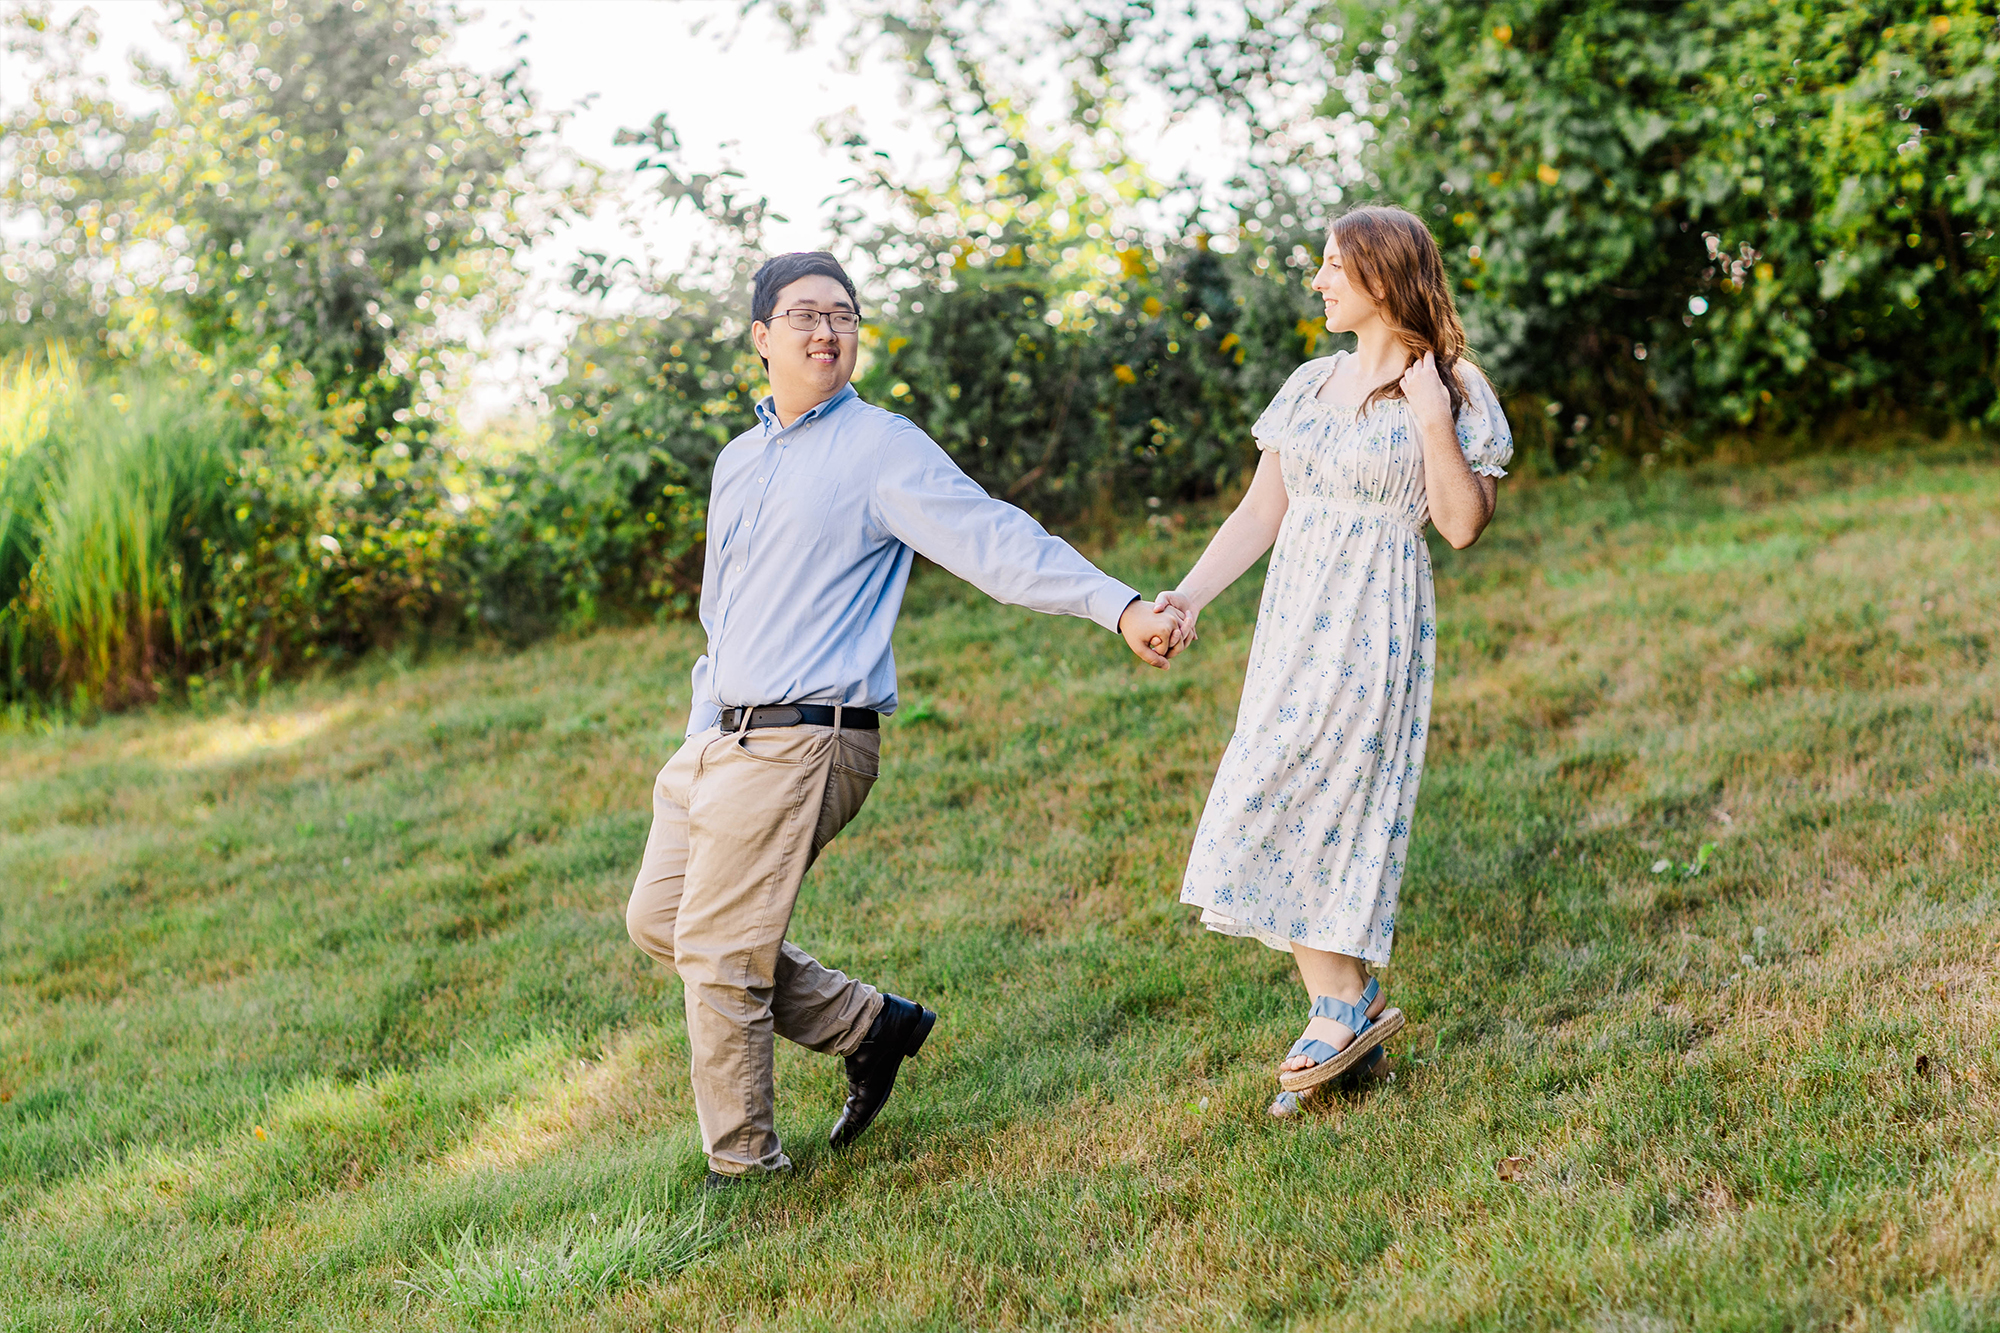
(1307, 829)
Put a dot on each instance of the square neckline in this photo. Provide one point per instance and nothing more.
(1319, 402)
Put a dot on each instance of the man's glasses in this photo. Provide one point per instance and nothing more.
(840, 321)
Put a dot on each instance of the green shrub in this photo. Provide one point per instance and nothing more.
(607, 517)
(328, 548)
(1680, 219)
(1150, 397)
(103, 501)
(155, 526)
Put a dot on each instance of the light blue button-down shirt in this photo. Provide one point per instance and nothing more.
(811, 534)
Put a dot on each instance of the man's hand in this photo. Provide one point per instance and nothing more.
(1143, 628)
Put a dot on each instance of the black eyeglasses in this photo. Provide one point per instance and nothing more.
(840, 321)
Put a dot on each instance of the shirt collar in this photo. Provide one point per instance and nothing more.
(767, 411)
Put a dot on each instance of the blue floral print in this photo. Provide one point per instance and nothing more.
(1307, 828)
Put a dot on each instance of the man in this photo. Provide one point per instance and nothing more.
(814, 519)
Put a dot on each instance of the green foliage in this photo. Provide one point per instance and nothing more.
(1669, 222)
(608, 515)
(322, 181)
(1678, 219)
(332, 547)
(153, 526)
(1069, 401)
(104, 500)
(298, 245)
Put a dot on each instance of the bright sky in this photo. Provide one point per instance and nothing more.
(733, 88)
(617, 63)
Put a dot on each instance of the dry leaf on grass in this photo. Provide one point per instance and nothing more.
(1512, 1168)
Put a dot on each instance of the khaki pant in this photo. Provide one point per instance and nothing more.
(737, 821)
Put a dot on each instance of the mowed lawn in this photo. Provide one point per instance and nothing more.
(321, 1014)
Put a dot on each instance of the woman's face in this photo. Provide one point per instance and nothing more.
(1348, 307)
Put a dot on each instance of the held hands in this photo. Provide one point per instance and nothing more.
(1179, 603)
(1149, 631)
(1157, 633)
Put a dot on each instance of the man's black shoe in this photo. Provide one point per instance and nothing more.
(717, 1181)
(897, 1033)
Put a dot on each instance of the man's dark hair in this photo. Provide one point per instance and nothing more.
(784, 270)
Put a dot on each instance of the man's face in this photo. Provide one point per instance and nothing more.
(808, 363)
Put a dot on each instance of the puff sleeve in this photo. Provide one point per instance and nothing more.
(1276, 420)
(1484, 436)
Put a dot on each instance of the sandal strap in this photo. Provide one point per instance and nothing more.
(1340, 1011)
(1353, 1016)
(1309, 1045)
(1312, 1048)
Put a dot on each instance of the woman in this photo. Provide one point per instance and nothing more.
(1304, 839)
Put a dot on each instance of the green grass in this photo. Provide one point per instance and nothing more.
(321, 1014)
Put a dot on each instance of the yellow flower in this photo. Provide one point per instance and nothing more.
(1547, 174)
(1124, 374)
(1151, 305)
(258, 1130)
(1503, 34)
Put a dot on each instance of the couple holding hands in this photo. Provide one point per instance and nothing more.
(814, 520)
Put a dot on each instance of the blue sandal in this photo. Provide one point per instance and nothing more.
(1313, 1047)
(1374, 1068)
(1329, 1062)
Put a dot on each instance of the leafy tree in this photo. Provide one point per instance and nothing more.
(312, 231)
(321, 181)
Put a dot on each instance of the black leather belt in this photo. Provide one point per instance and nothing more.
(798, 715)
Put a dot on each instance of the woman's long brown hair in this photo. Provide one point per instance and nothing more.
(1393, 257)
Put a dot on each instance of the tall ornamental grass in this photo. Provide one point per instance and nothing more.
(105, 492)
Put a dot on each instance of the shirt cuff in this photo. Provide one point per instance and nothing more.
(1108, 603)
(702, 716)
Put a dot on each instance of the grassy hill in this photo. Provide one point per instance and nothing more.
(320, 1013)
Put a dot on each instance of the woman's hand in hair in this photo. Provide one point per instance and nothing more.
(1425, 392)
(1460, 500)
